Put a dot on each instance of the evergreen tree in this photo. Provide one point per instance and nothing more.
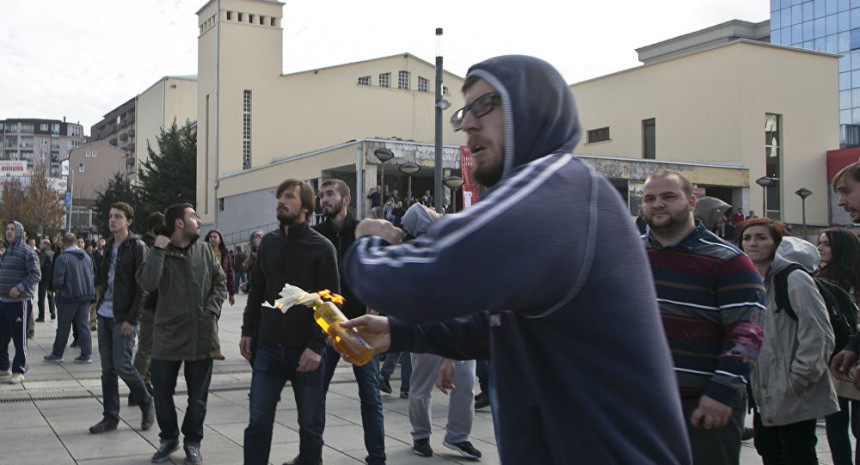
(170, 174)
(118, 189)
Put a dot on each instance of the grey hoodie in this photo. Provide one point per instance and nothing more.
(416, 221)
(19, 267)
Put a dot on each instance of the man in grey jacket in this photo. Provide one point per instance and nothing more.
(19, 276)
(191, 288)
(74, 284)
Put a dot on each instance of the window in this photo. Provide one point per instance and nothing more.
(364, 81)
(649, 139)
(773, 156)
(229, 15)
(95, 153)
(246, 130)
(43, 127)
(81, 168)
(423, 85)
(239, 17)
(598, 135)
(403, 80)
(385, 80)
(118, 119)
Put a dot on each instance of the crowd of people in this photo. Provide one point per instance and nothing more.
(584, 361)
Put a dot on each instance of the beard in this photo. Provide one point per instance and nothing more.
(674, 222)
(330, 211)
(288, 218)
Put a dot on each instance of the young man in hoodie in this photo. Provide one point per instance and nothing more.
(118, 311)
(19, 276)
(523, 268)
(339, 229)
(73, 281)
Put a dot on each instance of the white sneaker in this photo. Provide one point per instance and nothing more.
(17, 378)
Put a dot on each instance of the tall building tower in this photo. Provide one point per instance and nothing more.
(831, 26)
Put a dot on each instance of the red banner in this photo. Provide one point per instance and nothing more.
(470, 187)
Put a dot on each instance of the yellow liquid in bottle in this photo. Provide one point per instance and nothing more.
(327, 316)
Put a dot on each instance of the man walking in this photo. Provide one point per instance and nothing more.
(19, 276)
(46, 259)
(712, 303)
(118, 310)
(537, 277)
(339, 228)
(289, 344)
(191, 288)
(73, 281)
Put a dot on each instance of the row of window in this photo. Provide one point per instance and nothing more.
(804, 10)
(92, 153)
(246, 130)
(403, 81)
(649, 137)
(251, 18)
(811, 36)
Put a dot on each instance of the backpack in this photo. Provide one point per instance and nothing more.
(840, 306)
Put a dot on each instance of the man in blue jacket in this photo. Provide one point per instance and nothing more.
(581, 364)
(74, 284)
(19, 276)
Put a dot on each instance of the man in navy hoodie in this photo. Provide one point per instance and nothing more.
(73, 280)
(529, 277)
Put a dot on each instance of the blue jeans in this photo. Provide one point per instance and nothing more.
(837, 431)
(367, 377)
(77, 314)
(390, 364)
(115, 351)
(239, 278)
(198, 375)
(274, 365)
(13, 326)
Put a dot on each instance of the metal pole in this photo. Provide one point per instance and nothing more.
(764, 201)
(438, 171)
(803, 213)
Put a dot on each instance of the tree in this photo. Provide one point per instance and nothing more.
(118, 189)
(170, 175)
(12, 200)
(42, 208)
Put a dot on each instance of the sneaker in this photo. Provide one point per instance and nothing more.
(747, 434)
(482, 400)
(103, 426)
(17, 378)
(192, 454)
(465, 449)
(82, 359)
(75, 343)
(148, 416)
(422, 447)
(164, 450)
(53, 315)
(52, 358)
(404, 394)
(40, 320)
(384, 385)
(297, 461)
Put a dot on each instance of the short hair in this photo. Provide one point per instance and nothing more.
(306, 194)
(776, 229)
(686, 184)
(173, 213)
(852, 170)
(154, 219)
(339, 185)
(469, 82)
(69, 239)
(125, 208)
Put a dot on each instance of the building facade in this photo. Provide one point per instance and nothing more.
(30, 140)
(91, 168)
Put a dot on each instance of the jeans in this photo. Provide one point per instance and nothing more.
(837, 431)
(716, 446)
(143, 357)
(239, 278)
(198, 375)
(367, 377)
(390, 364)
(792, 444)
(461, 406)
(43, 292)
(274, 365)
(13, 326)
(115, 351)
(77, 314)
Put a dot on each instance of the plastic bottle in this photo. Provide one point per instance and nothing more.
(327, 315)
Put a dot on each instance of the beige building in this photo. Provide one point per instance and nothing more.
(258, 126)
(91, 167)
(736, 102)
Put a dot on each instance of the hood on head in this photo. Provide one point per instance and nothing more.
(535, 96)
(796, 250)
(416, 221)
(19, 233)
(709, 210)
(251, 236)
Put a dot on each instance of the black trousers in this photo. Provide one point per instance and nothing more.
(792, 444)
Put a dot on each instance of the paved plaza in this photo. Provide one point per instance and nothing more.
(46, 419)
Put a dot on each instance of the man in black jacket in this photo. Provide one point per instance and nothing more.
(339, 228)
(118, 311)
(46, 261)
(290, 344)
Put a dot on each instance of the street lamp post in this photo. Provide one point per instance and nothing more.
(454, 183)
(383, 155)
(437, 176)
(764, 181)
(409, 168)
(803, 193)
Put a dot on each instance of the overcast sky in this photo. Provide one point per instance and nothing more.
(81, 59)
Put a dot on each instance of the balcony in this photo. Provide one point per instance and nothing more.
(112, 141)
(123, 136)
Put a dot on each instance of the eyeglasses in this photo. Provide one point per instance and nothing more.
(479, 107)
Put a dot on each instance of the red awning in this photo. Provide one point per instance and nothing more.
(838, 159)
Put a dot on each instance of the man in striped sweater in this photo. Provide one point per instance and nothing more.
(712, 302)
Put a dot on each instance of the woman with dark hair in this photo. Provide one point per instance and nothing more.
(840, 254)
(790, 384)
(215, 239)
